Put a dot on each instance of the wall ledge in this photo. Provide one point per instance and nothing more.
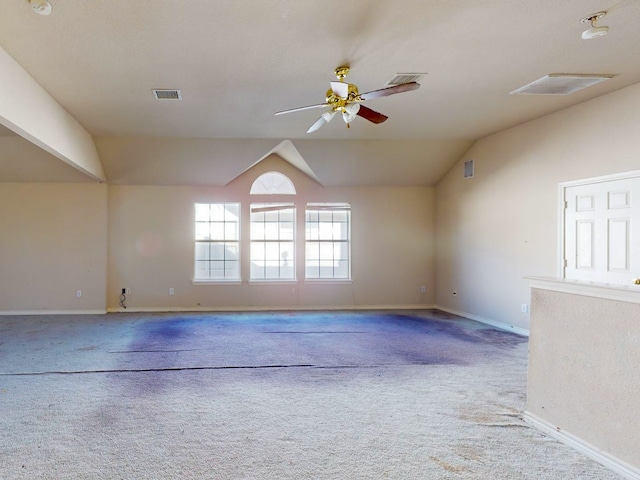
(604, 458)
(623, 293)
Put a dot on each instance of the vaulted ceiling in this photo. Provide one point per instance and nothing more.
(236, 63)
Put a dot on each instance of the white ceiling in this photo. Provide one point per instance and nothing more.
(238, 62)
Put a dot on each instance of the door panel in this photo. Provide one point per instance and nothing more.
(602, 231)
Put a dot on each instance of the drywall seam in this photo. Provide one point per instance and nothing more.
(488, 321)
(609, 461)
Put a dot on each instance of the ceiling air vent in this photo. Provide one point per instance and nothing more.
(561, 84)
(405, 78)
(167, 94)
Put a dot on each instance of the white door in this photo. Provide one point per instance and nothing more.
(602, 231)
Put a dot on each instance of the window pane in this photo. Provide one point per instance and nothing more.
(232, 212)
(232, 231)
(271, 231)
(217, 212)
(342, 270)
(271, 216)
(202, 231)
(257, 251)
(271, 251)
(217, 251)
(326, 251)
(202, 251)
(257, 231)
(286, 231)
(326, 231)
(257, 270)
(202, 212)
(231, 252)
(232, 270)
(202, 269)
(217, 270)
(312, 251)
(217, 230)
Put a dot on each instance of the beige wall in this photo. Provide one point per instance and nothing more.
(151, 246)
(502, 224)
(583, 370)
(53, 242)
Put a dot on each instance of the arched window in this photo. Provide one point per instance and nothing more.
(273, 183)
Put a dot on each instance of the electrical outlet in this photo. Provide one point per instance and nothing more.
(171, 291)
(125, 291)
(524, 308)
(423, 289)
(78, 293)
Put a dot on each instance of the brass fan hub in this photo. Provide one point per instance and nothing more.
(342, 72)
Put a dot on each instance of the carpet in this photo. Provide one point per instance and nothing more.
(288, 395)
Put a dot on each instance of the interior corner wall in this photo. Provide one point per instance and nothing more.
(53, 243)
(502, 224)
(151, 247)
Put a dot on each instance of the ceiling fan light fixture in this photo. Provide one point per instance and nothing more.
(594, 31)
(41, 7)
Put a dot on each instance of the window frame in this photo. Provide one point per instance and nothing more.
(333, 208)
(223, 240)
(272, 230)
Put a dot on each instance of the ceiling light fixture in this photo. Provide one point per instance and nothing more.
(594, 31)
(41, 7)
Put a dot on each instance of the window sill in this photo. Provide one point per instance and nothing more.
(273, 282)
(216, 282)
(329, 281)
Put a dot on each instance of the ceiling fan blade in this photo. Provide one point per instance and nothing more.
(324, 119)
(385, 92)
(340, 89)
(299, 109)
(371, 115)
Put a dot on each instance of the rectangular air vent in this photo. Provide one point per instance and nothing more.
(167, 94)
(401, 78)
(561, 84)
(468, 169)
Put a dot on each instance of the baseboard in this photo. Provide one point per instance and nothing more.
(488, 321)
(52, 312)
(606, 459)
(269, 308)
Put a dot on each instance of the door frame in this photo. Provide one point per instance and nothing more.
(562, 189)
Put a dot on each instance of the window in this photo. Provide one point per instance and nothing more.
(328, 241)
(272, 241)
(217, 241)
(273, 183)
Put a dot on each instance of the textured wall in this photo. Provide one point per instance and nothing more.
(53, 242)
(502, 225)
(584, 374)
(151, 246)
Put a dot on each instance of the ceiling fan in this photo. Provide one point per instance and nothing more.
(344, 98)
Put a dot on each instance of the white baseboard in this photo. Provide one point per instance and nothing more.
(606, 459)
(488, 321)
(299, 308)
(52, 312)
